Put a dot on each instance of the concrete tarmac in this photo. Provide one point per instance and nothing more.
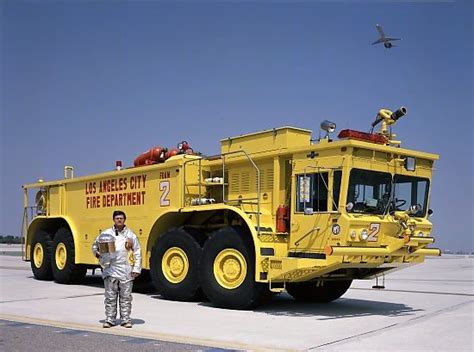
(19, 337)
(428, 307)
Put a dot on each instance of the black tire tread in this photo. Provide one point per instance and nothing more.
(189, 288)
(45, 271)
(198, 235)
(250, 293)
(72, 273)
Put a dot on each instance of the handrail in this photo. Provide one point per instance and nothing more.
(33, 211)
(258, 181)
(184, 178)
(225, 201)
(241, 200)
(24, 232)
(24, 225)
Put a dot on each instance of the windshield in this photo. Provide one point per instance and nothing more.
(408, 191)
(371, 192)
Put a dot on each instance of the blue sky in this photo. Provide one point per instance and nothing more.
(90, 82)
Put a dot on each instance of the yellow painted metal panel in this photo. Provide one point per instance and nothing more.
(54, 202)
(269, 140)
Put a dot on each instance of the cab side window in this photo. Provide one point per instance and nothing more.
(312, 192)
(336, 189)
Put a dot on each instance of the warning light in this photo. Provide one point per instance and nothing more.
(363, 136)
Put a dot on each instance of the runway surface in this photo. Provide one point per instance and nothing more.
(427, 307)
(21, 337)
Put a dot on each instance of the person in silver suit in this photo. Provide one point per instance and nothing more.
(118, 274)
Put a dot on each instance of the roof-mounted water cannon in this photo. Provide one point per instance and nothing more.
(388, 118)
(328, 127)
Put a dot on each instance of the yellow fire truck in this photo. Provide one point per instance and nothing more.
(273, 211)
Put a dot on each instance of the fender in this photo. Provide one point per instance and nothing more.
(242, 215)
(177, 217)
(51, 225)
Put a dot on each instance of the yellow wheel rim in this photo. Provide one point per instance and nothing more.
(38, 255)
(61, 256)
(175, 265)
(230, 268)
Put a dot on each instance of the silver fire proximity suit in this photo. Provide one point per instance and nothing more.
(118, 281)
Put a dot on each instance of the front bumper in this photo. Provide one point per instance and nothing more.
(351, 261)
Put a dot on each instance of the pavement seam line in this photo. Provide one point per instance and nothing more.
(345, 339)
(430, 280)
(46, 298)
(392, 326)
(14, 268)
(438, 312)
(423, 292)
(145, 335)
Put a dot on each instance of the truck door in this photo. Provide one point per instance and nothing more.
(314, 207)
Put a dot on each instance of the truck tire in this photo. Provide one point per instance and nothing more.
(310, 292)
(198, 235)
(174, 265)
(65, 270)
(228, 270)
(40, 256)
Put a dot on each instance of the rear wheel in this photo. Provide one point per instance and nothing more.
(40, 256)
(174, 265)
(65, 270)
(228, 271)
(310, 292)
(198, 235)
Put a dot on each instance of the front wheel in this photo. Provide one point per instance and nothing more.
(40, 256)
(312, 292)
(174, 265)
(228, 270)
(65, 270)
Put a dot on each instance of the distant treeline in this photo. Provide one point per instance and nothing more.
(447, 251)
(10, 239)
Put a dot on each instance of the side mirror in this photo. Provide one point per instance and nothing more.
(415, 208)
(430, 212)
(410, 164)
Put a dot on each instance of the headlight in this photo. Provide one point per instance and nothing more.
(353, 234)
(420, 234)
(364, 234)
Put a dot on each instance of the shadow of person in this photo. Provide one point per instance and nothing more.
(135, 321)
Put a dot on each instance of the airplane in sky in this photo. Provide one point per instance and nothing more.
(383, 39)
